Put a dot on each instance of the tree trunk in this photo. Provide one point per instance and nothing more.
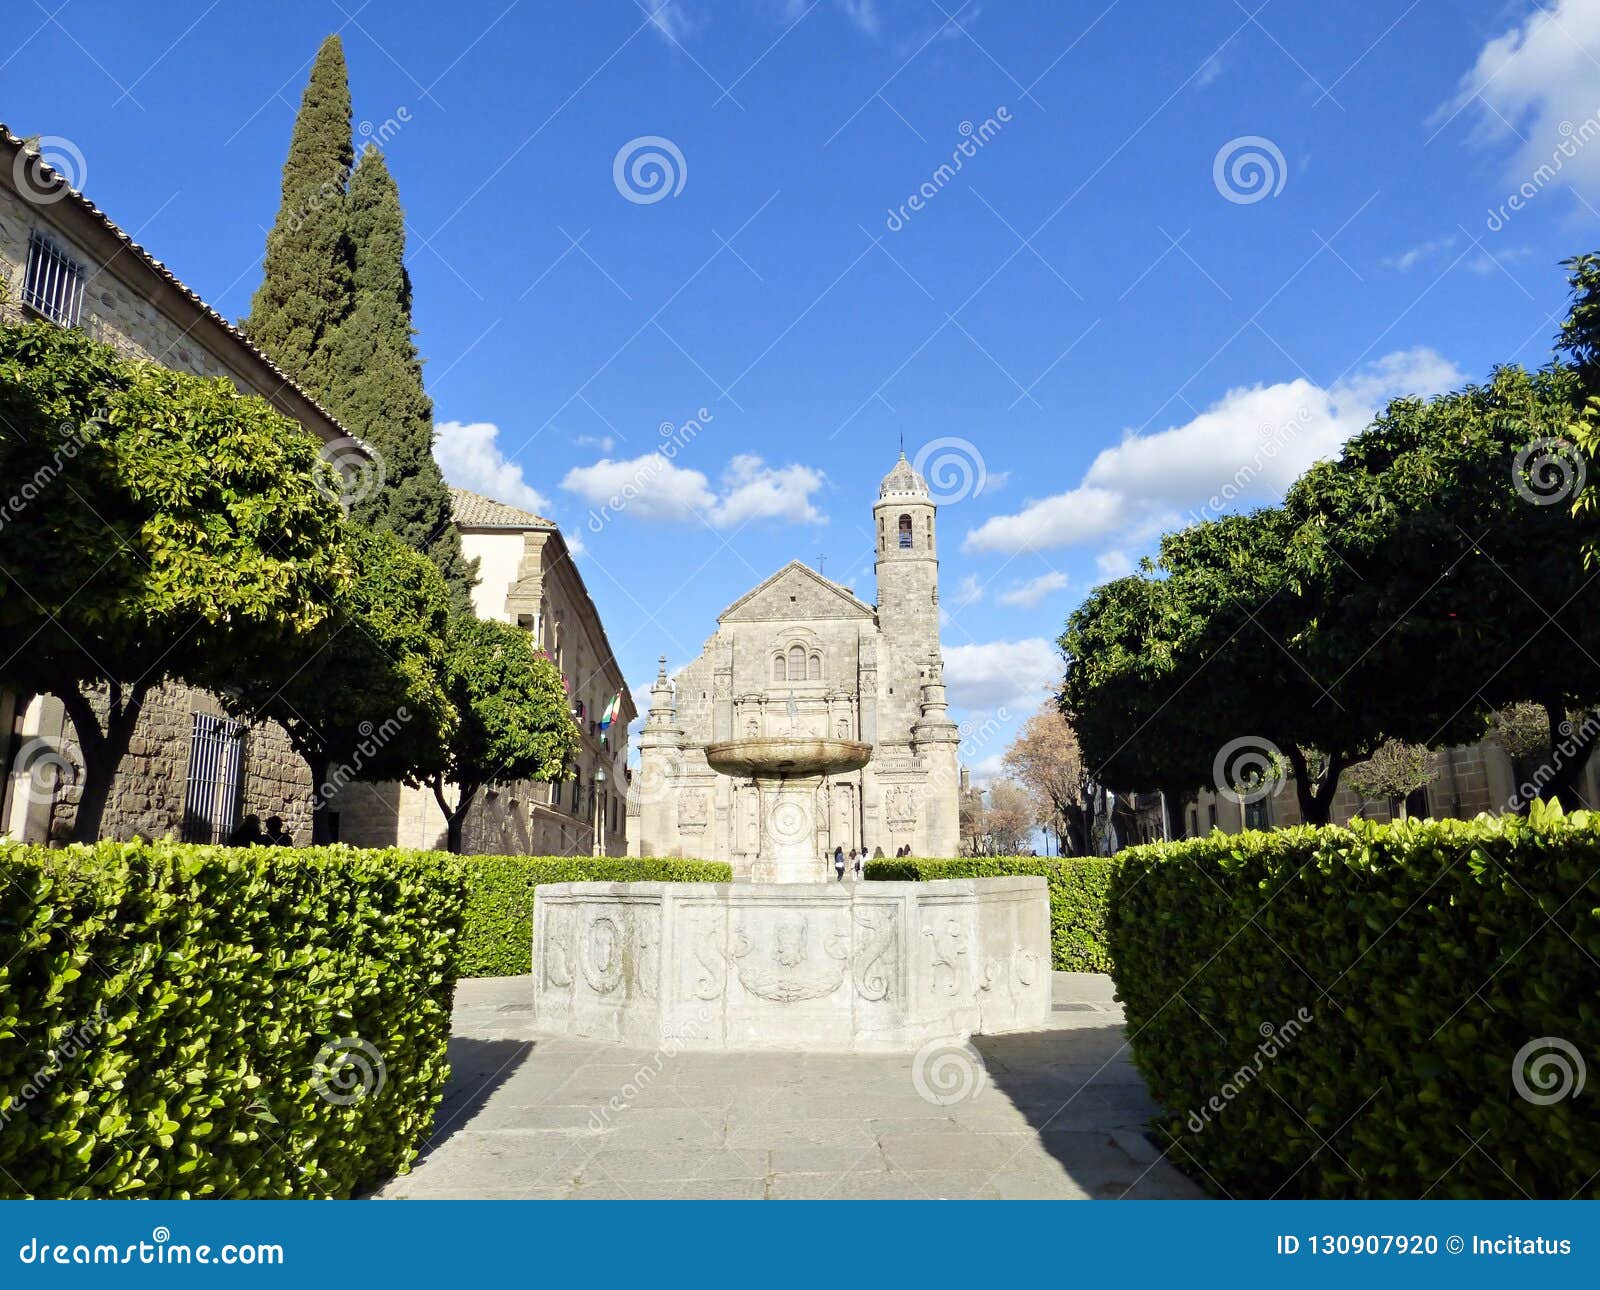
(321, 831)
(1570, 749)
(454, 816)
(1316, 799)
(102, 750)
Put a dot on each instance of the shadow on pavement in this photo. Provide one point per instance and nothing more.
(1078, 1090)
(477, 1068)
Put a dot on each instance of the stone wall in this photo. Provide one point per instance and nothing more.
(1467, 780)
(512, 819)
(112, 313)
(147, 799)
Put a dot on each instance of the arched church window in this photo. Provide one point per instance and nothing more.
(814, 671)
(905, 533)
(779, 671)
(797, 663)
(928, 531)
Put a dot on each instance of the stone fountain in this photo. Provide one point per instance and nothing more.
(790, 774)
(811, 719)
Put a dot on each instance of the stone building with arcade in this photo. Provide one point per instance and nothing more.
(811, 720)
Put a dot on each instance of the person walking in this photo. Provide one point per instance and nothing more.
(857, 859)
(838, 862)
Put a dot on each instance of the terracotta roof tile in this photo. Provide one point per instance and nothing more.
(475, 511)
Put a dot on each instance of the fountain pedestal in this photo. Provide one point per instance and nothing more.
(791, 967)
(788, 772)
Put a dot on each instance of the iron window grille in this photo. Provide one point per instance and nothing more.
(215, 784)
(54, 283)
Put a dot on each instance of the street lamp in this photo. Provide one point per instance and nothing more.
(599, 807)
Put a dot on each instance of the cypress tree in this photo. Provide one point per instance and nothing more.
(375, 382)
(305, 289)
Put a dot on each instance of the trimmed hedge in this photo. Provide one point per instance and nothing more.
(1351, 1012)
(497, 932)
(171, 1018)
(1078, 890)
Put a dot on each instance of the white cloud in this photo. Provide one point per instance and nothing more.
(1030, 593)
(1244, 450)
(863, 13)
(969, 591)
(1014, 676)
(987, 770)
(653, 487)
(604, 442)
(753, 490)
(1212, 68)
(670, 18)
(1409, 259)
(1114, 564)
(470, 457)
(1536, 85)
(1078, 515)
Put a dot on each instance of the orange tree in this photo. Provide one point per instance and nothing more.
(157, 525)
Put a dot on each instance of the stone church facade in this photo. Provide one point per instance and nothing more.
(801, 658)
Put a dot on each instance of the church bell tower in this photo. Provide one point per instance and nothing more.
(908, 555)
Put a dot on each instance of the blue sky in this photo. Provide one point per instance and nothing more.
(1189, 248)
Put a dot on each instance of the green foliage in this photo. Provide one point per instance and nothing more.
(1121, 670)
(1452, 531)
(497, 930)
(1426, 957)
(1078, 889)
(163, 1008)
(1446, 550)
(167, 525)
(363, 699)
(1579, 339)
(334, 311)
(306, 281)
(1393, 772)
(514, 722)
(1158, 661)
(164, 506)
(374, 382)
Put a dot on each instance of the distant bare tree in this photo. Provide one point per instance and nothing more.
(1046, 760)
(1009, 817)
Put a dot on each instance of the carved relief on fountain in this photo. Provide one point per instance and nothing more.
(692, 810)
(786, 959)
(881, 965)
(602, 952)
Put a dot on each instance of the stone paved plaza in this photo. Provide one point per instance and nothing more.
(1058, 1115)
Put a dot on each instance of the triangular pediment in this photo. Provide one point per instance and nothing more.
(795, 591)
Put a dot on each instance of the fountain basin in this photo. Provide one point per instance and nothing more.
(791, 967)
(781, 757)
